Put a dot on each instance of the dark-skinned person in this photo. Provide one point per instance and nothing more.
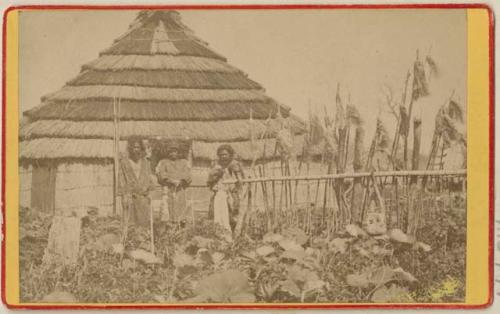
(225, 200)
(174, 174)
(135, 183)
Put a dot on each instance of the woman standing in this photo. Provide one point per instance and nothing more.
(225, 201)
(174, 174)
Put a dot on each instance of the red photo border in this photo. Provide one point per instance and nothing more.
(276, 7)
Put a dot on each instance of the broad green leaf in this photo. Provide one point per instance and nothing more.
(217, 257)
(315, 284)
(423, 246)
(118, 248)
(399, 236)
(355, 231)
(249, 254)
(402, 275)
(182, 259)
(301, 275)
(226, 286)
(296, 234)
(244, 297)
(145, 256)
(358, 280)
(295, 255)
(272, 237)
(265, 250)
(290, 245)
(291, 287)
(338, 245)
(203, 256)
(392, 294)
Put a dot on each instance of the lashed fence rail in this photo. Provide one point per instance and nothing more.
(398, 199)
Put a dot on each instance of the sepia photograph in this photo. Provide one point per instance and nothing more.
(243, 156)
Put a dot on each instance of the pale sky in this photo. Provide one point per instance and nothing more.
(298, 56)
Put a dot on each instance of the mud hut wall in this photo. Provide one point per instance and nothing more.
(25, 179)
(81, 186)
(86, 185)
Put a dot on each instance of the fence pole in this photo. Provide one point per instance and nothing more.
(116, 151)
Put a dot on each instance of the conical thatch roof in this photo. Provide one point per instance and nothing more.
(168, 82)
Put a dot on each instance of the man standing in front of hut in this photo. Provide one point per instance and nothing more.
(174, 174)
(134, 184)
(225, 201)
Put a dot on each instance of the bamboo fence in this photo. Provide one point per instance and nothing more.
(313, 203)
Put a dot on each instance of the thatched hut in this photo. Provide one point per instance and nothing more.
(169, 84)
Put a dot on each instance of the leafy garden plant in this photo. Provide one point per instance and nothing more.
(196, 265)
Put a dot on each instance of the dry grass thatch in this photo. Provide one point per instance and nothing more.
(166, 78)
(63, 148)
(158, 29)
(69, 93)
(159, 62)
(168, 83)
(90, 109)
(209, 131)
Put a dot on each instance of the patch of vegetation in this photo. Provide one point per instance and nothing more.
(196, 264)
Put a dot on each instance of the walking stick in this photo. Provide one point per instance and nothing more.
(151, 227)
(190, 204)
(172, 208)
(125, 214)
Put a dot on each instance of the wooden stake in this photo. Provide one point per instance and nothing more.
(152, 230)
(417, 133)
(116, 137)
(356, 200)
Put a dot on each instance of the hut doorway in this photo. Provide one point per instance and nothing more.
(43, 189)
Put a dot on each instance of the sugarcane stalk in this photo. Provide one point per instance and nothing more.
(264, 197)
(152, 230)
(356, 200)
(417, 134)
(395, 142)
(323, 216)
(366, 198)
(308, 200)
(379, 196)
(396, 196)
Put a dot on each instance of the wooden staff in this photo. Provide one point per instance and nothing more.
(308, 199)
(116, 142)
(151, 228)
(273, 189)
(264, 198)
(396, 197)
(316, 196)
(282, 187)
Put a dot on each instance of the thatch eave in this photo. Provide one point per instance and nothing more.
(175, 79)
(54, 148)
(139, 110)
(70, 93)
(160, 62)
(203, 131)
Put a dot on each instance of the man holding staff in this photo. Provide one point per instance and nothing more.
(134, 184)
